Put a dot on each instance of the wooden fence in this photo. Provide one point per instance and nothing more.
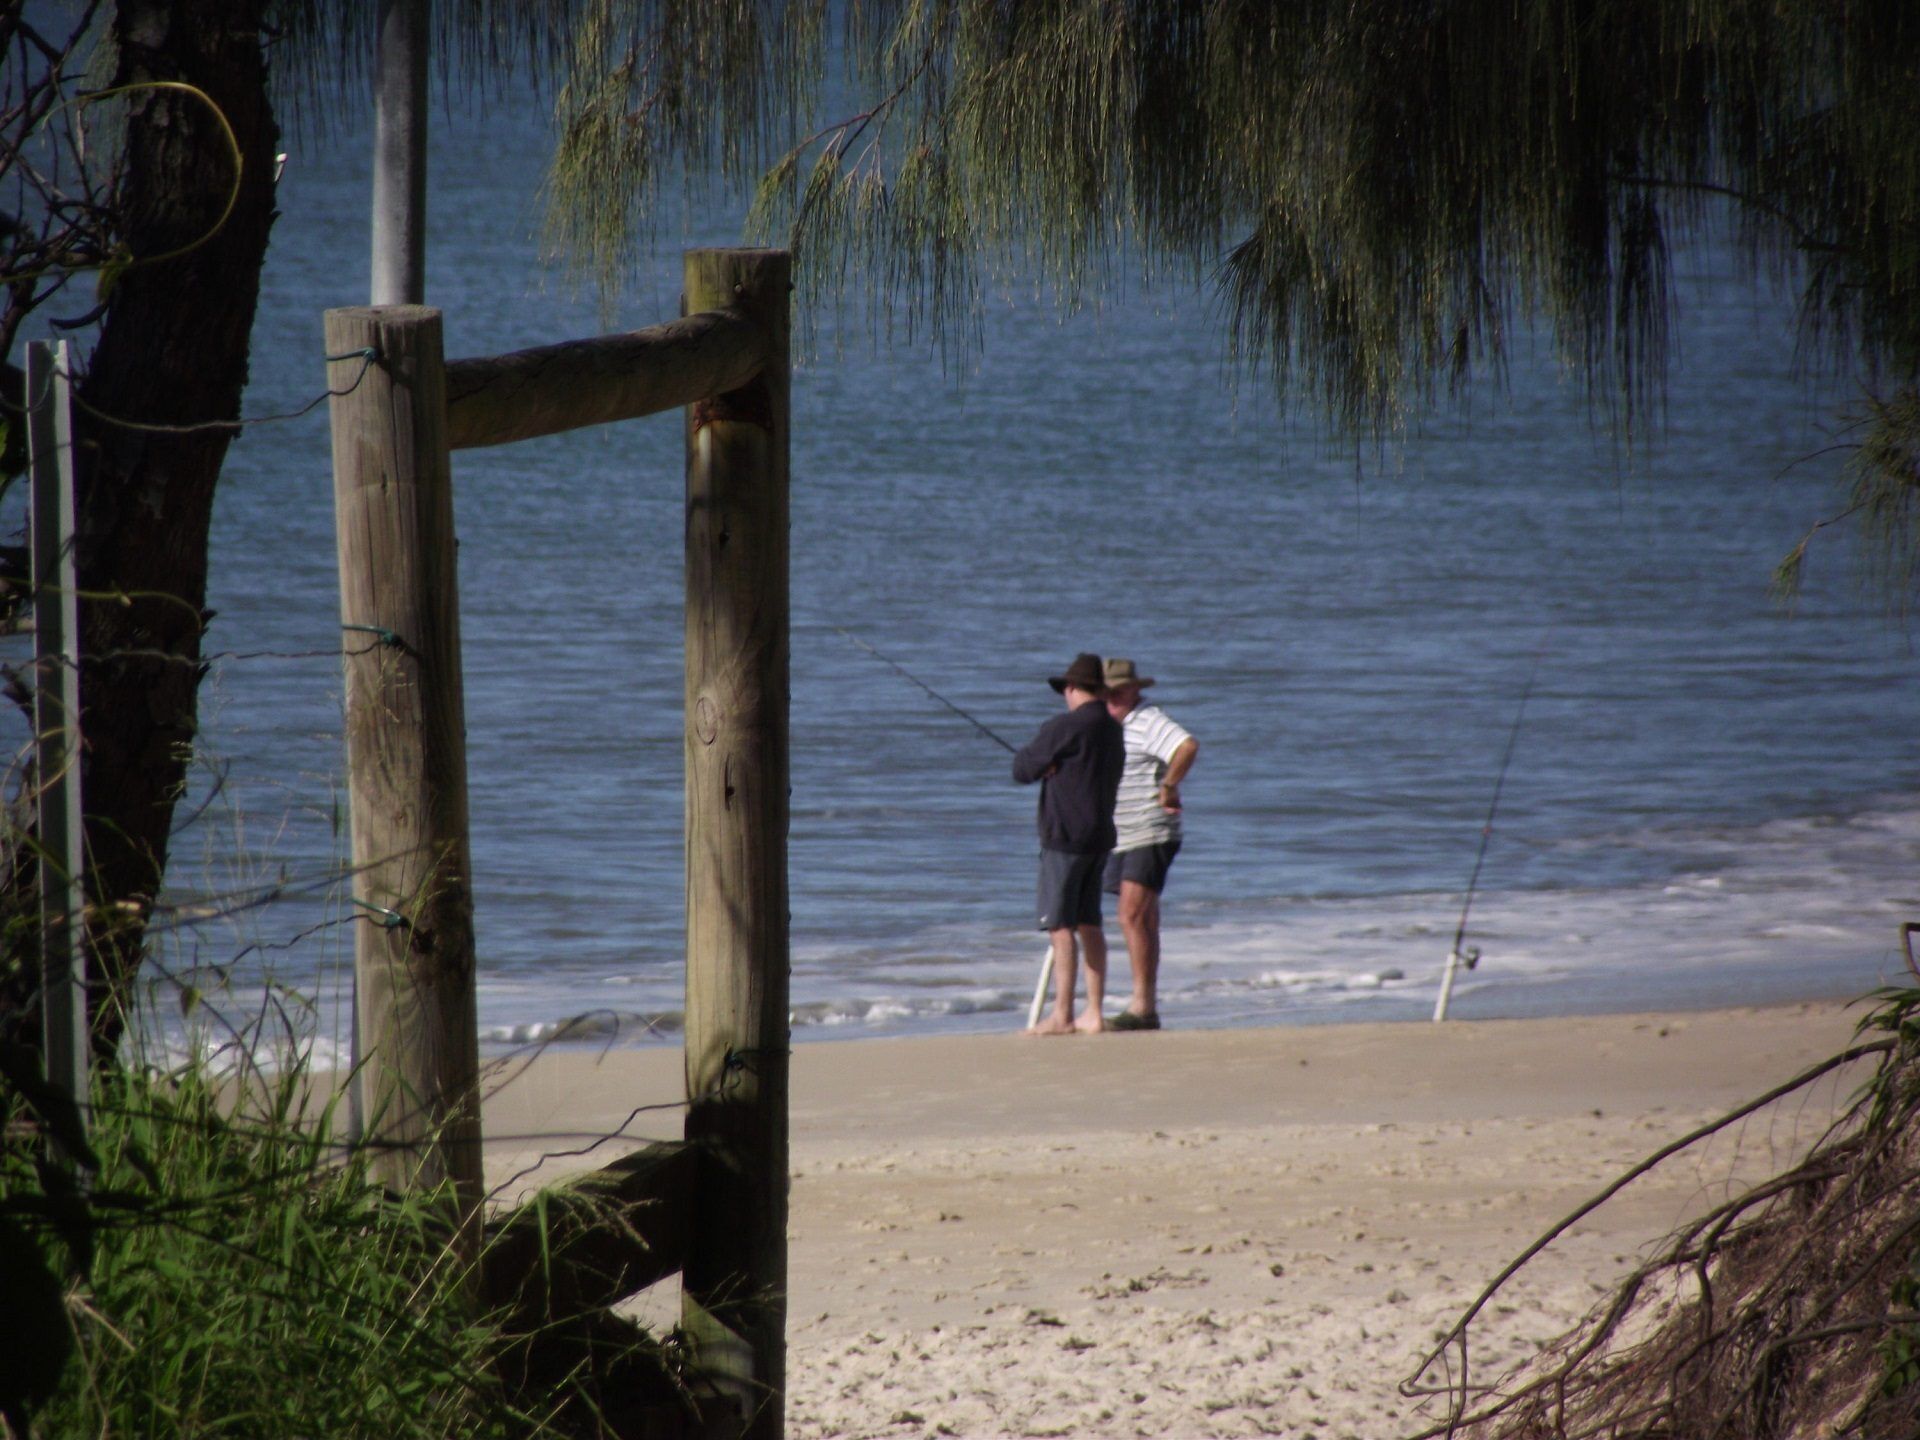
(714, 1208)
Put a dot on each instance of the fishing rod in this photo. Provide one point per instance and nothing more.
(908, 675)
(1459, 958)
(1046, 958)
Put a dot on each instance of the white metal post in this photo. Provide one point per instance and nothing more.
(400, 154)
(56, 644)
(1446, 986)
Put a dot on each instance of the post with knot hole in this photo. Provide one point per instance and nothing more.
(416, 1034)
(737, 626)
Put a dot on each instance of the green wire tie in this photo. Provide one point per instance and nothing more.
(387, 637)
(389, 919)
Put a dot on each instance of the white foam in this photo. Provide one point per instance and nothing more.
(1807, 902)
(1808, 906)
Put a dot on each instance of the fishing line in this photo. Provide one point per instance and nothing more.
(1469, 958)
(906, 674)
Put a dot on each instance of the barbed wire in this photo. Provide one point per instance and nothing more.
(265, 947)
(594, 1142)
(206, 906)
(147, 652)
(367, 356)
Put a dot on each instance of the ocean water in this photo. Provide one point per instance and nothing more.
(1711, 799)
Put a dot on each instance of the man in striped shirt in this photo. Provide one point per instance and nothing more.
(1146, 820)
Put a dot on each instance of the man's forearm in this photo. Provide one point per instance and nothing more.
(1030, 765)
(1182, 761)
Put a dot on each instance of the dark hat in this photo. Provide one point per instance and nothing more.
(1120, 672)
(1083, 674)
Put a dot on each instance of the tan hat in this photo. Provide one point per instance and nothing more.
(1082, 674)
(1120, 672)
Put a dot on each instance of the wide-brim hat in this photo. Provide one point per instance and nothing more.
(1084, 673)
(1121, 672)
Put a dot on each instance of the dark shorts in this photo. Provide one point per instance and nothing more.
(1069, 889)
(1146, 866)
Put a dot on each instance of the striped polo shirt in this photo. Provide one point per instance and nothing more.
(1137, 817)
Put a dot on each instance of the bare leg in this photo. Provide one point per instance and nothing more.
(1140, 920)
(1060, 1022)
(1093, 945)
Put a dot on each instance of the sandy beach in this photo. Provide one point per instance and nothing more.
(1231, 1232)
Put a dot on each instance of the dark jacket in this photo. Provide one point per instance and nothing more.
(1086, 749)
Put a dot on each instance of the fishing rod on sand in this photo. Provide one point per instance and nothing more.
(1046, 960)
(1460, 956)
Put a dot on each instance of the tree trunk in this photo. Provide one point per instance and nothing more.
(172, 352)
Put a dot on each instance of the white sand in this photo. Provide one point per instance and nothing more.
(1208, 1233)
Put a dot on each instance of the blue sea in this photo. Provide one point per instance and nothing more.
(1712, 798)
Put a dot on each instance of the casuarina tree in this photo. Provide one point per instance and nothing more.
(1381, 194)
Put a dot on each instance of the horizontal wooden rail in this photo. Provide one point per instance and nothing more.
(593, 1241)
(501, 398)
(557, 1265)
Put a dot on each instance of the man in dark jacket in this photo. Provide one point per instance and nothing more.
(1077, 758)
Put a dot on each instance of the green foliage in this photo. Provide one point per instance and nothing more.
(714, 84)
(1382, 192)
(1900, 1346)
(1388, 187)
(1884, 474)
(1891, 1088)
(246, 1278)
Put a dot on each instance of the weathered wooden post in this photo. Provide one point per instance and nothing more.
(406, 750)
(734, 1282)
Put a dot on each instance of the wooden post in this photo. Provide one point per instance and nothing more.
(734, 1307)
(56, 723)
(406, 751)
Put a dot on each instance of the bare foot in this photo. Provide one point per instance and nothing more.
(1090, 1023)
(1053, 1025)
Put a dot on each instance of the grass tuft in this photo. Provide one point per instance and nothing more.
(231, 1269)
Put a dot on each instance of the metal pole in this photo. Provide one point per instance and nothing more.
(400, 154)
(1454, 961)
(1040, 989)
(56, 715)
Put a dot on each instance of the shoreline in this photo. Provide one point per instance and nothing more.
(1208, 1232)
(597, 1033)
(1806, 906)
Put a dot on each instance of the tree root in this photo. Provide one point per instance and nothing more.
(1790, 1310)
